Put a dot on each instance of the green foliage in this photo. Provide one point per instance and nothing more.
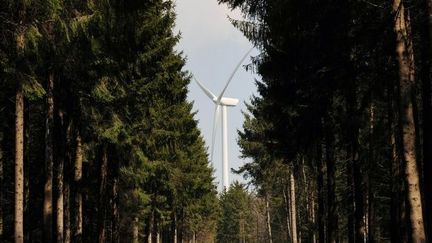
(236, 222)
(328, 85)
(119, 84)
(32, 89)
(32, 37)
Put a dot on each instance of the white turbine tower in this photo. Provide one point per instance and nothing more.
(222, 103)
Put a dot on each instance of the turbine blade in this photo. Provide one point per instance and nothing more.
(215, 126)
(232, 75)
(206, 91)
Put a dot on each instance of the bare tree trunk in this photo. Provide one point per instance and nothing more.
(354, 222)
(19, 165)
(306, 187)
(397, 202)
(293, 208)
(78, 220)
(268, 219)
(309, 202)
(320, 193)
(49, 162)
(355, 199)
(180, 227)
(115, 202)
(405, 57)
(332, 217)
(174, 227)
(66, 214)
(103, 174)
(287, 209)
(68, 179)
(150, 227)
(135, 231)
(59, 179)
(359, 213)
(59, 203)
(350, 200)
(398, 226)
(155, 228)
(313, 216)
(370, 189)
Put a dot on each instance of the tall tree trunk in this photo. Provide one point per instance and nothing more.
(285, 191)
(313, 216)
(19, 165)
(332, 217)
(370, 188)
(356, 224)
(78, 207)
(28, 184)
(174, 227)
(350, 200)
(49, 161)
(103, 174)
(320, 192)
(395, 200)
(398, 225)
(66, 214)
(268, 219)
(155, 228)
(150, 228)
(67, 181)
(135, 230)
(405, 57)
(310, 210)
(309, 207)
(350, 192)
(59, 177)
(398, 206)
(293, 208)
(59, 202)
(115, 231)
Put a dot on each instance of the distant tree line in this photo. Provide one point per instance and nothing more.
(339, 135)
(97, 140)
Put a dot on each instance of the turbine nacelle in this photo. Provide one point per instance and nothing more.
(227, 101)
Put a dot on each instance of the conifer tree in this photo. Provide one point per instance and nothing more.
(119, 139)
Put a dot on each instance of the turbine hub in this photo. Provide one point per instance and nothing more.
(227, 101)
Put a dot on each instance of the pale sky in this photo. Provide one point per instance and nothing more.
(213, 47)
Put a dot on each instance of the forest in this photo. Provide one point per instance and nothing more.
(339, 134)
(98, 142)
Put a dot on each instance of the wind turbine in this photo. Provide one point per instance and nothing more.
(222, 103)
